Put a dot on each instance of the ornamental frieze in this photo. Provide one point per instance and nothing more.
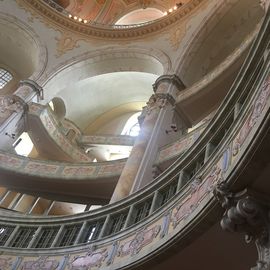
(141, 239)
(253, 117)
(42, 263)
(89, 260)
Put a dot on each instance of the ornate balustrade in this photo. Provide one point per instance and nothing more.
(121, 234)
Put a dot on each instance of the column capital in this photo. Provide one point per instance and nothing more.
(159, 101)
(246, 212)
(13, 103)
(36, 88)
(174, 79)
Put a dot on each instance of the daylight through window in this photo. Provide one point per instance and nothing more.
(5, 77)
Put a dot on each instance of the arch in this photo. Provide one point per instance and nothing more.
(21, 48)
(140, 16)
(59, 108)
(219, 34)
(105, 61)
(132, 126)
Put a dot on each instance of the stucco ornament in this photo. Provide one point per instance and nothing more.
(245, 214)
(66, 42)
(158, 101)
(176, 35)
(5, 263)
(11, 103)
(88, 261)
(141, 239)
(256, 112)
(43, 263)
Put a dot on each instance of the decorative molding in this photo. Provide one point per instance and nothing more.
(34, 86)
(156, 102)
(66, 42)
(91, 259)
(141, 239)
(48, 15)
(176, 35)
(12, 103)
(31, 35)
(173, 79)
(42, 262)
(244, 213)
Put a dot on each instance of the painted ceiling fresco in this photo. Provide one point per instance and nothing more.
(109, 11)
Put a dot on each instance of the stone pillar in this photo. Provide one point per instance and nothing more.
(156, 117)
(12, 110)
(247, 213)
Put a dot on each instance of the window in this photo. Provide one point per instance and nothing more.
(5, 77)
(132, 127)
(23, 145)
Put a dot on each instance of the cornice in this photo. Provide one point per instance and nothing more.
(57, 19)
(174, 79)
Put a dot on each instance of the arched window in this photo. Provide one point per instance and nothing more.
(132, 127)
(23, 145)
(5, 77)
(140, 16)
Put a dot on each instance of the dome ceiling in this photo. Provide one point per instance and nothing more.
(110, 11)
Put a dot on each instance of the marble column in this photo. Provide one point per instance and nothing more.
(248, 213)
(156, 117)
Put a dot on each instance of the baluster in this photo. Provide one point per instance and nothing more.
(81, 232)
(12, 235)
(56, 239)
(104, 227)
(129, 216)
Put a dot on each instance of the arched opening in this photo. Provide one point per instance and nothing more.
(132, 127)
(89, 100)
(58, 107)
(219, 39)
(20, 49)
(23, 145)
(140, 16)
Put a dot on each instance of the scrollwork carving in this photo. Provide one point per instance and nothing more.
(247, 215)
(12, 104)
(158, 101)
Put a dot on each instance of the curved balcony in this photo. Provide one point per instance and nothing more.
(136, 229)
